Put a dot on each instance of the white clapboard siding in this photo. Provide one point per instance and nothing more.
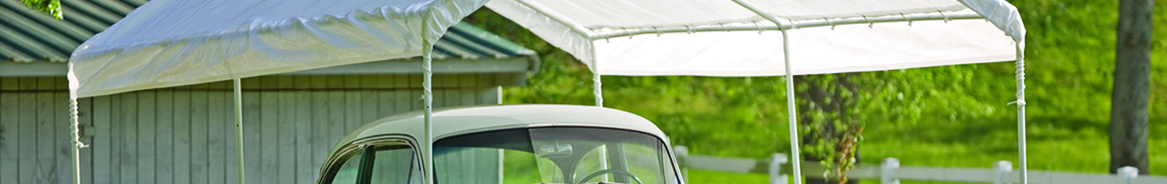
(269, 133)
(46, 132)
(216, 134)
(251, 133)
(199, 121)
(318, 129)
(26, 130)
(114, 137)
(101, 145)
(87, 155)
(182, 123)
(9, 141)
(187, 135)
(305, 168)
(129, 131)
(336, 120)
(62, 147)
(164, 168)
(336, 116)
(146, 127)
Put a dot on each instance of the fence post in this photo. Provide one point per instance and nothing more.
(682, 153)
(776, 161)
(1128, 174)
(1002, 168)
(888, 171)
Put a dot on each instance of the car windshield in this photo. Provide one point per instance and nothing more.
(553, 155)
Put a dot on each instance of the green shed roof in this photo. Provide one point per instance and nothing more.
(30, 36)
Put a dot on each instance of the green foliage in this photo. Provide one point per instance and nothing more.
(949, 116)
(835, 108)
(51, 7)
(830, 126)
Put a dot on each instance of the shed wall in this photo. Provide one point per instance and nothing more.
(186, 134)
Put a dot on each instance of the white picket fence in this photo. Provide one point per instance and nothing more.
(890, 171)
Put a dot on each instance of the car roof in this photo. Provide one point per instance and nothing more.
(460, 120)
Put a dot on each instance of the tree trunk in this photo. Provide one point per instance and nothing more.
(1128, 114)
(815, 180)
(819, 180)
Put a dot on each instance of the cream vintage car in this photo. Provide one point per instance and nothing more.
(508, 144)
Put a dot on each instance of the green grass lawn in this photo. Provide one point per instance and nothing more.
(1058, 147)
(1051, 148)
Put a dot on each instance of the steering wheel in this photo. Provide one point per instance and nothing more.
(611, 171)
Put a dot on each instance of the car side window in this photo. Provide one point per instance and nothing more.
(379, 162)
(395, 165)
(347, 174)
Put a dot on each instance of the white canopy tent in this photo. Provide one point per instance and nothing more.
(166, 43)
(777, 37)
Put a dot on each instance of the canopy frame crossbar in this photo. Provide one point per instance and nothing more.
(788, 24)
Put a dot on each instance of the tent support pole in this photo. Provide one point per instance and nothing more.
(794, 155)
(239, 128)
(597, 89)
(428, 97)
(76, 133)
(1021, 111)
(791, 109)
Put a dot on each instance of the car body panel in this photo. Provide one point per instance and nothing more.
(448, 122)
(453, 121)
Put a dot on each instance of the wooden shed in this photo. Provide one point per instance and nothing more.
(185, 134)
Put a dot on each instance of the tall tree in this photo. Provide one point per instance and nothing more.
(51, 7)
(1132, 73)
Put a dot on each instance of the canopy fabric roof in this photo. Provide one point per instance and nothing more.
(777, 37)
(741, 38)
(35, 44)
(167, 43)
(223, 39)
(174, 42)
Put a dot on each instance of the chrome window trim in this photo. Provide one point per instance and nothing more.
(351, 149)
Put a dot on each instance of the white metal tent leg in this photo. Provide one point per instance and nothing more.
(794, 155)
(239, 129)
(596, 89)
(76, 133)
(1021, 110)
(428, 96)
